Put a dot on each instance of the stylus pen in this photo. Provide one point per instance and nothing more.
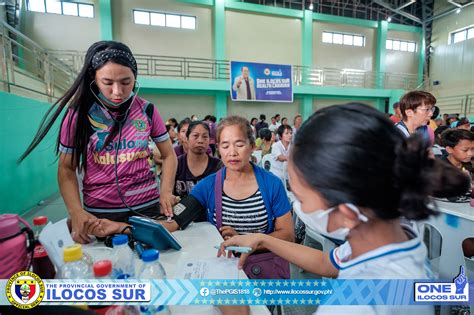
(239, 249)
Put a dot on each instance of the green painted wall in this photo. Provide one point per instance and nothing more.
(105, 17)
(23, 186)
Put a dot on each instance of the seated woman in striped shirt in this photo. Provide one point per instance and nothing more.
(253, 200)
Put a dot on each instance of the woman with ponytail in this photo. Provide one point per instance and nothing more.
(355, 176)
(104, 133)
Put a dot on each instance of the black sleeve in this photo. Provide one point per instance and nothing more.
(187, 210)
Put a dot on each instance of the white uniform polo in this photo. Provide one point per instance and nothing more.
(406, 260)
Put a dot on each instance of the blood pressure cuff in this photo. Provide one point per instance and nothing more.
(187, 210)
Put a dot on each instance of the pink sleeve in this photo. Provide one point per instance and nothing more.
(158, 129)
(68, 128)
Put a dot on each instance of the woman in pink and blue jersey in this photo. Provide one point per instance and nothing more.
(104, 134)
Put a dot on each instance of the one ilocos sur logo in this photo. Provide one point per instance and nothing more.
(456, 291)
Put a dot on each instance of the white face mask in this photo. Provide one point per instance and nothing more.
(318, 220)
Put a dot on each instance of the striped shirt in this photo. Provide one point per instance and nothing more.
(245, 216)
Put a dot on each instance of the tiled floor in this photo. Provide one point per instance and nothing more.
(53, 207)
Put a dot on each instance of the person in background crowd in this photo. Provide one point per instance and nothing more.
(459, 144)
(397, 116)
(463, 123)
(195, 164)
(432, 123)
(445, 119)
(261, 124)
(297, 121)
(452, 120)
(438, 149)
(416, 108)
(439, 122)
(281, 152)
(182, 128)
(267, 139)
(253, 124)
(284, 121)
(335, 171)
(182, 148)
(173, 134)
(211, 122)
(277, 118)
(173, 122)
(194, 118)
(274, 125)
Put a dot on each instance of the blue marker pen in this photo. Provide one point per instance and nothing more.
(239, 249)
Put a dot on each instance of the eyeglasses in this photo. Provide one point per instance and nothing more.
(427, 110)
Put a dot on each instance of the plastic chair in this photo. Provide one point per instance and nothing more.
(258, 156)
(267, 161)
(433, 240)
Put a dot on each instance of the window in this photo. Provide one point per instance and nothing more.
(158, 19)
(141, 17)
(173, 20)
(327, 37)
(188, 22)
(53, 6)
(164, 19)
(343, 39)
(470, 33)
(461, 35)
(61, 7)
(358, 41)
(400, 45)
(396, 45)
(70, 8)
(36, 6)
(86, 10)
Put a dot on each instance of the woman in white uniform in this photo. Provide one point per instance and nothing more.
(355, 176)
(281, 152)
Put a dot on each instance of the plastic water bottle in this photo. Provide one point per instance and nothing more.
(102, 271)
(122, 258)
(152, 269)
(75, 266)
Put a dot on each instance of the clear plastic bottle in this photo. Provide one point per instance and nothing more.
(75, 266)
(102, 271)
(122, 258)
(152, 269)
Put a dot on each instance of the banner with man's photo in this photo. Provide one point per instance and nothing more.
(264, 82)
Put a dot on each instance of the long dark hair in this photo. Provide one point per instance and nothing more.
(353, 154)
(79, 99)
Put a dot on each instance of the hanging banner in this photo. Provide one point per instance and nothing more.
(260, 82)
